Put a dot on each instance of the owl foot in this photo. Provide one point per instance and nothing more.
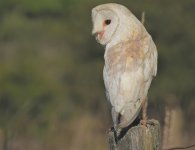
(118, 132)
(143, 123)
(146, 123)
(111, 129)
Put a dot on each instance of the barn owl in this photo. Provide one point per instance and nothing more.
(130, 60)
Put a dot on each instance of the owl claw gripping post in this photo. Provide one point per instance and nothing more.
(130, 61)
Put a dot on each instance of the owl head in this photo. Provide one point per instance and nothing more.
(113, 23)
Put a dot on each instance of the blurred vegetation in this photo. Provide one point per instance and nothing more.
(51, 86)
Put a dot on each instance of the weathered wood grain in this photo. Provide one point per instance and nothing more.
(138, 138)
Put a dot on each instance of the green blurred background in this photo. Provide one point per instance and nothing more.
(51, 88)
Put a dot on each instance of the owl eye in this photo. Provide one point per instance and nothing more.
(107, 22)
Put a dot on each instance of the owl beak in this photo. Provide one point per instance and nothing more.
(96, 30)
(98, 33)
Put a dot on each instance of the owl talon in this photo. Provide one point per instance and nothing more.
(146, 122)
(143, 123)
(118, 131)
(111, 129)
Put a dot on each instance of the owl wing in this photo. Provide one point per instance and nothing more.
(140, 67)
(150, 60)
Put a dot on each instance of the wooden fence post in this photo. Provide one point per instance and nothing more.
(138, 138)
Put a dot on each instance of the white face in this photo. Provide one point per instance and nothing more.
(105, 23)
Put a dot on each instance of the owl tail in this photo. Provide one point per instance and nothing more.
(122, 121)
(128, 117)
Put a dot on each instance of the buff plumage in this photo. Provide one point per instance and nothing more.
(130, 60)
